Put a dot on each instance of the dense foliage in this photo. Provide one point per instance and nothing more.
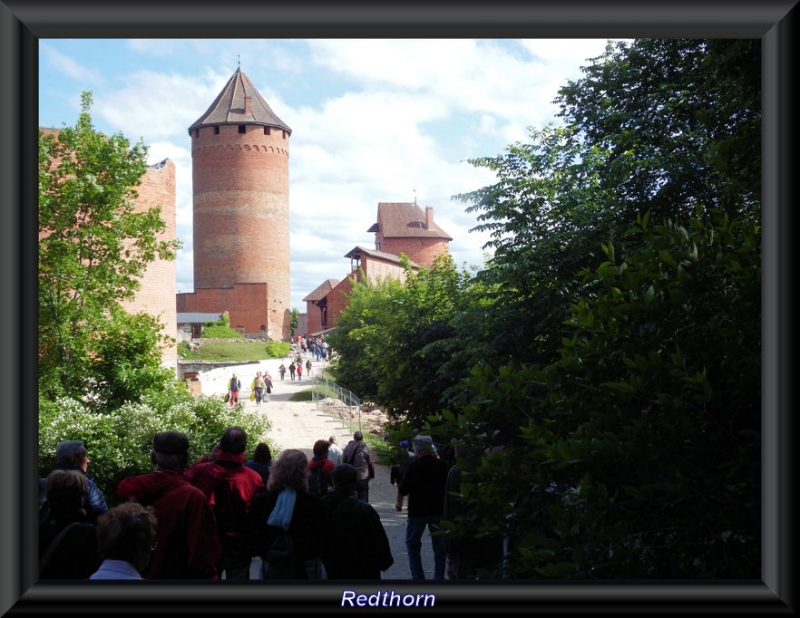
(93, 249)
(119, 442)
(613, 346)
(100, 373)
(395, 339)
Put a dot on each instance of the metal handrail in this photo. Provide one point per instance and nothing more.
(335, 400)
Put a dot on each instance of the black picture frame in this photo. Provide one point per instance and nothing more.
(24, 22)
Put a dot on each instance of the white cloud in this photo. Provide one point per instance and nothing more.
(69, 67)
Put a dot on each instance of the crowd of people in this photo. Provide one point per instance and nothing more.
(207, 519)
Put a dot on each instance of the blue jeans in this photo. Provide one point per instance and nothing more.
(414, 529)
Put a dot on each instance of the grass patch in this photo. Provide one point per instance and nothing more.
(302, 396)
(237, 351)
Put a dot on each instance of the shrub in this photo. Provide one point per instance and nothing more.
(119, 441)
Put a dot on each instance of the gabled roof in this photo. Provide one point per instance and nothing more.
(405, 220)
(322, 291)
(229, 106)
(360, 251)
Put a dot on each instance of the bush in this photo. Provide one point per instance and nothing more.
(119, 442)
(217, 331)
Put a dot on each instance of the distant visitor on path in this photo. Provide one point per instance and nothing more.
(234, 385)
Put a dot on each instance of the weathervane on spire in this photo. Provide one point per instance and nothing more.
(239, 61)
(415, 196)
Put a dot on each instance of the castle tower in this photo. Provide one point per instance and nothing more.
(240, 176)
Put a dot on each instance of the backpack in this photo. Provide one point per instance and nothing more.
(281, 558)
(354, 455)
(318, 485)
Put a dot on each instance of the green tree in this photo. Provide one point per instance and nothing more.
(627, 414)
(93, 249)
(395, 339)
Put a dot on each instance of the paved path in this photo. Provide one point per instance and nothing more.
(299, 425)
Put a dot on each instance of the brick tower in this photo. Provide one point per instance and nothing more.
(240, 176)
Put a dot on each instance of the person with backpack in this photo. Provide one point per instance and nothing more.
(287, 525)
(357, 454)
(320, 469)
(234, 385)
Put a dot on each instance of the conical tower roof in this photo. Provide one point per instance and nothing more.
(230, 106)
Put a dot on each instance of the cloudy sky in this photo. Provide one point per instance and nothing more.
(372, 121)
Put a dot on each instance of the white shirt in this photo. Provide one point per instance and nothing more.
(335, 454)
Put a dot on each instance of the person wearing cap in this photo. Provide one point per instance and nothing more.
(187, 546)
(358, 547)
(424, 484)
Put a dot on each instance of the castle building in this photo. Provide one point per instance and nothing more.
(401, 228)
(240, 176)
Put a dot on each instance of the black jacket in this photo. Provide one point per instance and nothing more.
(358, 547)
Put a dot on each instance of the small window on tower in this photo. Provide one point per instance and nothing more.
(197, 132)
(266, 130)
(242, 128)
(284, 135)
(216, 129)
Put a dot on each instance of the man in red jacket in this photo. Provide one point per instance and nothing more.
(230, 486)
(187, 544)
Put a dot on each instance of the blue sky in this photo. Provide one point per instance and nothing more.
(372, 121)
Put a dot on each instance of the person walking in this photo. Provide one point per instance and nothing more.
(334, 450)
(424, 484)
(261, 461)
(259, 387)
(292, 369)
(320, 469)
(287, 508)
(67, 542)
(399, 467)
(358, 546)
(231, 486)
(72, 455)
(308, 368)
(268, 386)
(299, 371)
(126, 537)
(187, 542)
(357, 454)
(282, 370)
(234, 385)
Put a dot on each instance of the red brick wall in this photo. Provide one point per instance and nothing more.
(246, 304)
(241, 215)
(157, 294)
(423, 251)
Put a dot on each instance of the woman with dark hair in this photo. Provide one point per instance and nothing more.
(287, 508)
(67, 541)
(261, 461)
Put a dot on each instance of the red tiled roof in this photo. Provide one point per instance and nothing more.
(405, 220)
(322, 291)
